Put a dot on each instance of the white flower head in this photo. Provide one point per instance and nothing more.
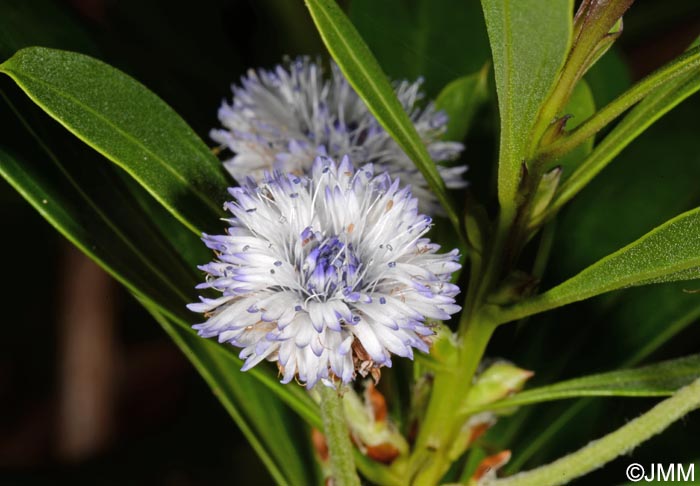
(328, 274)
(282, 119)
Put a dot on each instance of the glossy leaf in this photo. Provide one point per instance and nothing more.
(186, 243)
(129, 125)
(259, 415)
(191, 249)
(669, 253)
(110, 228)
(114, 221)
(460, 100)
(100, 239)
(437, 40)
(529, 42)
(657, 380)
(131, 252)
(366, 76)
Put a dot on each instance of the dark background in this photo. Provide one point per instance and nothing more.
(93, 392)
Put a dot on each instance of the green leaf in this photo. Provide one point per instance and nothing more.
(603, 450)
(94, 205)
(186, 243)
(657, 380)
(585, 237)
(129, 125)
(580, 106)
(460, 100)
(75, 208)
(529, 42)
(257, 412)
(678, 69)
(669, 253)
(149, 271)
(636, 323)
(365, 75)
(424, 38)
(654, 106)
(643, 325)
(91, 206)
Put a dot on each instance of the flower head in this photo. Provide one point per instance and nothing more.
(282, 119)
(328, 274)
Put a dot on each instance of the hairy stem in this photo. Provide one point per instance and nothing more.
(337, 437)
(599, 452)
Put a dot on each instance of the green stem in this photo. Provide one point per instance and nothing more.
(602, 451)
(337, 437)
(431, 459)
(544, 250)
(483, 279)
(438, 429)
(591, 38)
(655, 106)
(689, 61)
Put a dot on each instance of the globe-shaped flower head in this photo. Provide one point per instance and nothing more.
(328, 274)
(282, 119)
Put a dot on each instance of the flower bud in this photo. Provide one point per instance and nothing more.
(370, 426)
(498, 381)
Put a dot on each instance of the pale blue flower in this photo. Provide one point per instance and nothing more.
(282, 119)
(328, 274)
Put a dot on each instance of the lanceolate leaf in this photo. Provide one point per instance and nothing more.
(621, 441)
(76, 214)
(109, 227)
(668, 253)
(129, 125)
(676, 70)
(150, 269)
(95, 206)
(460, 100)
(152, 275)
(366, 76)
(654, 106)
(661, 379)
(529, 42)
(259, 415)
(636, 323)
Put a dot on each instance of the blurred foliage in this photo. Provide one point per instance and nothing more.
(411, 38)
